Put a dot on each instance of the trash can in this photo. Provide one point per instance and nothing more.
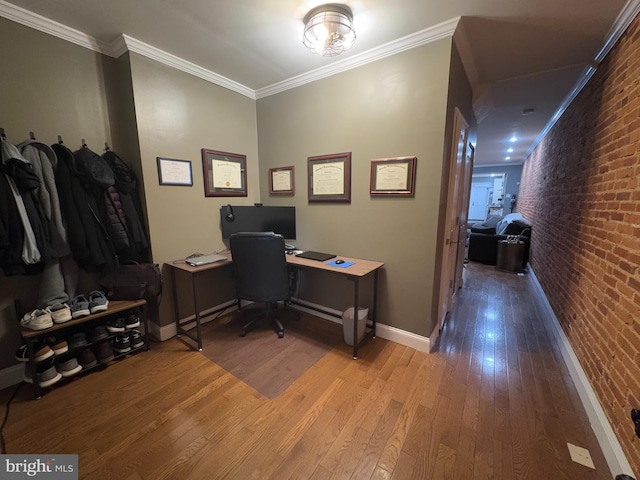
(347, 324)
(510, 256)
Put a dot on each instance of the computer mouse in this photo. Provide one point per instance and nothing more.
(338, 262)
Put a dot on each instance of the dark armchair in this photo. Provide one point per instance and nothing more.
(261, 273)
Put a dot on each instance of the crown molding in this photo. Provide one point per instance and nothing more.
(178, 63)
(628, 14)
(46, 25)
(428, 35)
(126, 43)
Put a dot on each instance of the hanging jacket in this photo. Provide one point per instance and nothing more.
(127, 186)
(44, 162)
(88, 238)
(30, 253)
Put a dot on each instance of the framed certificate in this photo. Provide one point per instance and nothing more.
(330, 178)
(281, 181)
(393, 176)
(225, 174)
(174, 172)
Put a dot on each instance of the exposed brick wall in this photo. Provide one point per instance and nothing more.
(581, 190)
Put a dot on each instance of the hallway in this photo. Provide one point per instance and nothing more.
(516, 405)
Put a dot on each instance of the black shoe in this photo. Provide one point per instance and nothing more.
(98, 334)
(121, 344)
(46, 372)
(87, 358)
(77, 340)
(115, 325)
(103, 351)
(133, 321)
(41, 352)
(135, 339)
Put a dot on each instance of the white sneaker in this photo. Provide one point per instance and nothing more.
(37, 320)
(60, 312)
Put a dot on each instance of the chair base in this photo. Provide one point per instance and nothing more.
(268, 313)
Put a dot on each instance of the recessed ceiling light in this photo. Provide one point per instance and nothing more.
(510, 150)
(507, 158)
(513, 139)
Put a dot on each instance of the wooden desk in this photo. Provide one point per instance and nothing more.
(359, 269)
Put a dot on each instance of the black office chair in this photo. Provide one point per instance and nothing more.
(261, 273)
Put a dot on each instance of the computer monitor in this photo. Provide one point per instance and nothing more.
(258, 218)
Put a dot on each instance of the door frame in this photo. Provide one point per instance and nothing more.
(456, 185)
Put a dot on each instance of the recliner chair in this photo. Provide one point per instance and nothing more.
(261, 273)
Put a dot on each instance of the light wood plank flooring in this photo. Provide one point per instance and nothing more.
(494, 402)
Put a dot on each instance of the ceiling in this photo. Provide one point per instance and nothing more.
(518, 54)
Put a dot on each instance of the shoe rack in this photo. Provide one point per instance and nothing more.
(31, 337)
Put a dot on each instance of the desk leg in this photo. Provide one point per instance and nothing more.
(176, 308)
(195, 304)
(355, 317)
(375, 303)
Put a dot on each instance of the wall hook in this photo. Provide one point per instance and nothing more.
(84, 144)
(106, 147)
(32, 136)
(2, 135)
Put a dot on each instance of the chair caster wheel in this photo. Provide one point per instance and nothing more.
(280, 334)
(243, 333)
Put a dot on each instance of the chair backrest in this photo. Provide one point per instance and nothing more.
(259, 266)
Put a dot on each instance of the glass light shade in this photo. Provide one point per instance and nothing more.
(328, 30)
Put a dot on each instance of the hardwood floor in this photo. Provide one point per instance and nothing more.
(494, 402)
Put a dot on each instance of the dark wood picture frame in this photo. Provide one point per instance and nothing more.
(225, 174)
(282, 181)
(174, 172)
(393, 176)
(330, 178)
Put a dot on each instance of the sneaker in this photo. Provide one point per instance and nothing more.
(115, 325)
(40, 353)
(98, 334)
(103, 351)
(77, 340)
(121, 344)
(135, 339)
(58, 346)
(132, 321)
(98, 302)
(87, 358)
(37, 320)
(46, 372)
(67, 365)
(79, 306)
(60, 312)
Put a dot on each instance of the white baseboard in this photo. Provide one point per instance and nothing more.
(607, 439)
(383, 331)
(11, 375)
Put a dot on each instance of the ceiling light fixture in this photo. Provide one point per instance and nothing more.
(507, 158)
(510, 150)
(513, 139)
(328, 29)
